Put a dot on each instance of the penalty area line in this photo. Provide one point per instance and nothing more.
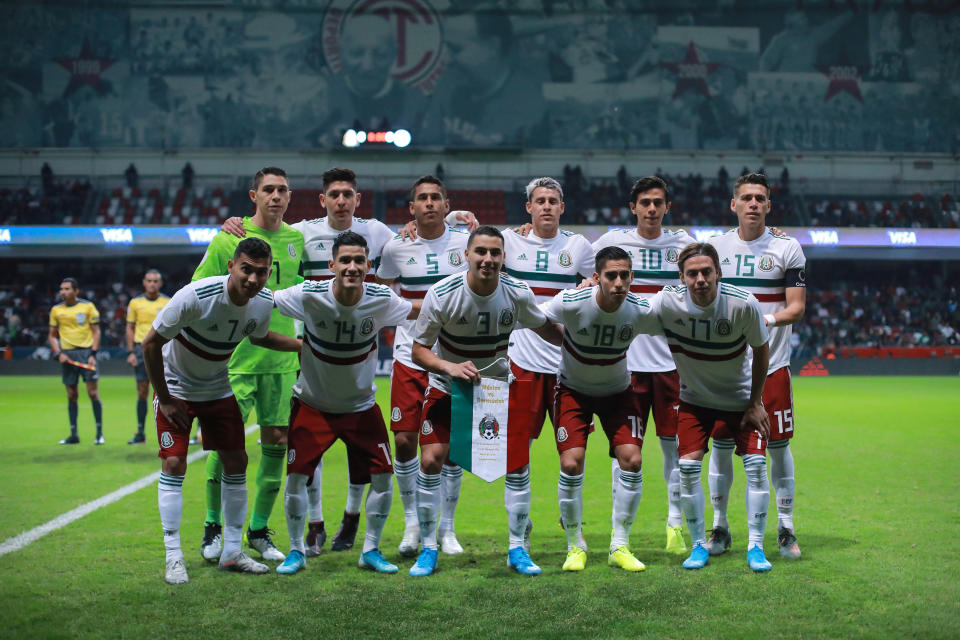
(21, 540)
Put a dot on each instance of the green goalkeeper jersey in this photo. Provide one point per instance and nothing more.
(287, 246)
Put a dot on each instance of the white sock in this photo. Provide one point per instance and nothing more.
(614, 481)
(170, 501)
(406, 473)
(354, 498)
(294, 506)
(451, 476)
(720, 479)
(379, 499)
(570, 497)
(691, 499)
(428, 507)
(233, 497)
(758, 497)
(516, 498)
(781, 477)
(625, 506)
(671, 474)
(315, 494)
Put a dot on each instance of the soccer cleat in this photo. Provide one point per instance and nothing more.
(699, 557)
(410, 543)
(176, 571)
(99, 439)
(374, 560)
(675, 541)
(138, 438)
(71, 439)
(316, 536)
(576, 560)
(519, 560)
(242, 563)
(582, 543)
(449, 543)
(292, 563)
(757, 561)
(788, 544)
(719, 541)
(212, 545)
(347, 532)
(621, 557)
(425, 565)
(260, 540)
(526, 535)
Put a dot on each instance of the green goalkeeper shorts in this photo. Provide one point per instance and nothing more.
(268, 393)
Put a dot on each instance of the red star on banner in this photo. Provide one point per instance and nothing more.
(844, 76)
(85, 70)
(691, 73)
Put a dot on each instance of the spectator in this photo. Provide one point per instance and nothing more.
(132, 176)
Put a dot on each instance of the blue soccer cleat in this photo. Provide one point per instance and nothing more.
(519, 559)
(292, 563)
(699, 557)
(757, 561)
(426, 563)
(374, 560)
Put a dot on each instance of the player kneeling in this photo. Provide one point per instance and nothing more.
(186, 355)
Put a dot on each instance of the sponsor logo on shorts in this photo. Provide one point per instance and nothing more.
(427, 428)
(291, 456)
(506, 317)
(562, 434)
(489, 428)
(672, 255)
(766, 263)
(250, 327)
(292, 250)
(366, 327)
(723, 327)
(564, 259)
(395, 415)
(166, 440)
(455, 259)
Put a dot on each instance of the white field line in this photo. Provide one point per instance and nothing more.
(21, 540)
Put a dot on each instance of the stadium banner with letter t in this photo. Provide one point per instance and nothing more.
(481, 441)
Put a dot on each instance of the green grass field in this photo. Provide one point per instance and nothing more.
(877, 493)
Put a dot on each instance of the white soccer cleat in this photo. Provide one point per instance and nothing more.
(261, 541)
(410, 544)
(242, 563)
(449, 543)
(212, 545)
(176, 571)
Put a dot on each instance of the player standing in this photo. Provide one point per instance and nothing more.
(335, 395)
(413, 266)
(141, 313)
(261, 379)
(185, 355)
(75, 336)
(599, 324)
(470, 316)
(654, 252)
(771, 266)
(709, 326)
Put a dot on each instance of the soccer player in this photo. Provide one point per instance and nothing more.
(185, 355)
(260, 378)
(709, 326)
(335, 395)
(141, 313)
(653, 374)
(599, 324)
(75, 336)
(470, 317)
(413, 266)
(770, 265)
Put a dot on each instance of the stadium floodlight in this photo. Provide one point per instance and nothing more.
(402, 138)
(361, 136)
(350, 138)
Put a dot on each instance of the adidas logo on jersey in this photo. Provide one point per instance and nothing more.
(678, 321)
(321, 325)
(522, 256)
(725, 261)
(462, 320)
(214, 328)
(412, 261)
(583, 332)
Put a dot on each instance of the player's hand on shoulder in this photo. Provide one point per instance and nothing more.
(464, 371)
(523, 230)
(176, 412)
(755, 418)
(587, 282)
(409, 231)
(466, 218)
(234, 226)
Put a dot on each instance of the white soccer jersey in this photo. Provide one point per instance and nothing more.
(318, 237)
(710, 344)
(764, 267)
(654, 266)
(339, 356)
(595, 342)
(548, 265)
(467, 326)
(204, 327)
(415, 266)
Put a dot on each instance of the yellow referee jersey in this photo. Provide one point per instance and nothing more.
(74, 322)
(141, 312)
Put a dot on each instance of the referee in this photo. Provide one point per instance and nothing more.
(74, 340)
(141, 313)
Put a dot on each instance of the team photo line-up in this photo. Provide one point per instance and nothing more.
(642, 323)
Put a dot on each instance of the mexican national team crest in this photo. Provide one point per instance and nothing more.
(427, 428)
(366, 327)
(455, 259)
(395, 415)
(766, 263)
(564, 259)
(562, 434)
(723, 327)
(292, 250)
(506, 318)
(166, 440)
(672, 255)
(626, 332)
(249, 327)
(489, 427)
(291, 456)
